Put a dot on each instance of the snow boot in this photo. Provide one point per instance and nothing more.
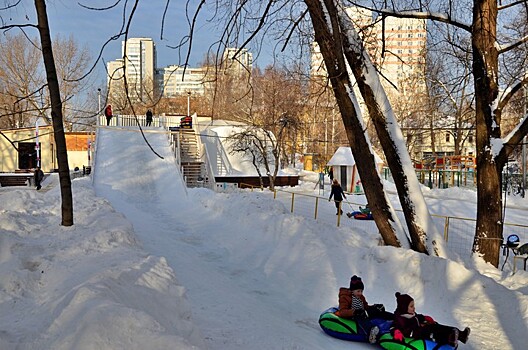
(464, 335)
(373, 335)
(453, 338)
(349, 215)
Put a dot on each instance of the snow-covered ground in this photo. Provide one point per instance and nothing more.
(151, 265)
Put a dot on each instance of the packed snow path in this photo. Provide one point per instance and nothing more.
(263, 288)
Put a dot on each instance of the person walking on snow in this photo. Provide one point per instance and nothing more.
(38, 177)
(338, 194)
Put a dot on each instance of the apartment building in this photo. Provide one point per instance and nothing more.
(237, 64)
(177, 80)
(138, 64)
(397, 46)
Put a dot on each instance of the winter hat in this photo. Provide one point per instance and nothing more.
(356, 283)
(402, 301)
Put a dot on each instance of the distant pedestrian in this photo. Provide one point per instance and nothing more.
(38, 176)
(331, 173)
(149, 117)
(338, 194)
(108, 114)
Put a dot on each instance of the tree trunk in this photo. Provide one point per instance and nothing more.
(332, 52)
(398, 159)
(56, 113)
(488, 235)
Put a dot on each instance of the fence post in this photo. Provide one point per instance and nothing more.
(292, 201)
(430, 180)
(274, 194)
(446, 229)
(339, 214)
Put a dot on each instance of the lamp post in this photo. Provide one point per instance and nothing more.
(99, 98)
(188, 103)
(525, 101)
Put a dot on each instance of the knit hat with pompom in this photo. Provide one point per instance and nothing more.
(402, 301)
(356, 283)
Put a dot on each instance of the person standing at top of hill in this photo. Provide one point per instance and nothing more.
(108, 114)
(149, 117)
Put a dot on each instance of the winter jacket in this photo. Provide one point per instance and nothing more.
(38, 176)
(108, 111)
(415, 326)
(410, 325)
(345, 303)
(337, 193)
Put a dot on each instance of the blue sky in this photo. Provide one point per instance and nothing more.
(93, 28)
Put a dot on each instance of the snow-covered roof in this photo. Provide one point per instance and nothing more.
(343, 156)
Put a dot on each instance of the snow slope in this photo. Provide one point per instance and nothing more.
(149, 265)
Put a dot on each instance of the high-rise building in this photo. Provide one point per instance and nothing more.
(138, 64)
(178, 81)
(115, 71)
(403, 62)
(240, 64)
(403, 41)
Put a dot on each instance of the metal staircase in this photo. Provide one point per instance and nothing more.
(190, 155)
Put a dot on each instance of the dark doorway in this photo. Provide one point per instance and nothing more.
(27, 155)
(343, 170)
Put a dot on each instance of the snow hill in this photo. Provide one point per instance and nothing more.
(152, 265)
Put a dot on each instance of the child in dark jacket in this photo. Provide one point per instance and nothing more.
(353, 305)
(338, 194)
(407, 323)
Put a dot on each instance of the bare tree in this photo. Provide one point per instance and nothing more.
(21, 80)
(264, 149)
(56, 113)
(494, 87)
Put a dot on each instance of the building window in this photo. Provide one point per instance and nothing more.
(447, 137)
(470, 138)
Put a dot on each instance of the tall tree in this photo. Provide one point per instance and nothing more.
(492, 94)
(329, 36)
(56, 113)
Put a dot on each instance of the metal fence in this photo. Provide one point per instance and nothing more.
(458, 232)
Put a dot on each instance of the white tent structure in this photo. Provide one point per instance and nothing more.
(344, 167)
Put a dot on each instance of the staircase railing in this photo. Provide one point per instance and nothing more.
(174, 141)
(206, 172)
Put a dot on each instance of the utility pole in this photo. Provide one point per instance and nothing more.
(326, 137)
(99, 99)
(525, 101)
(188, 103)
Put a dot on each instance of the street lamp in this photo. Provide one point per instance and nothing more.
(188, 103)
(525, 101)
(99, 98)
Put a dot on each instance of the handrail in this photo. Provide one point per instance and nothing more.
(209, 169)
(175, 146)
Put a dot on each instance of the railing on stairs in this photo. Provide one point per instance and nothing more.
(192, 158)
